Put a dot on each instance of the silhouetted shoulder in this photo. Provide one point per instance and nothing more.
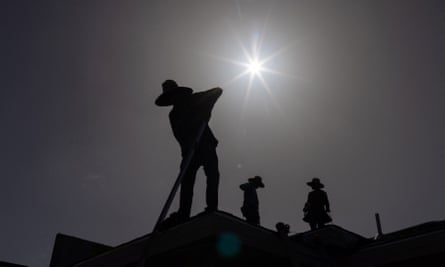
(245, 186)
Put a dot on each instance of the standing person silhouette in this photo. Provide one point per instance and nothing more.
(250, 203)
(189, 118)
(317, 206)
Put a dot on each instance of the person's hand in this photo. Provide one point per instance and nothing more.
(218, 90)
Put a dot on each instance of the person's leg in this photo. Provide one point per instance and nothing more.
(243, 211)
(313, 225)
(212, 172)
(250, 215)
(252, 220)
(256, 217)
(187, 184)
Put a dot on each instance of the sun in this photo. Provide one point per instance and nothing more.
(254, 67)
(254, 63)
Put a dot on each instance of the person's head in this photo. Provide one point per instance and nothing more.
(169, 85)
(315, 183)
(256, 181)
(282, 228)
(172, 93)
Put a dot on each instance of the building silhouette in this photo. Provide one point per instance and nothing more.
(221, 239)
(7, 264)
(69, 250)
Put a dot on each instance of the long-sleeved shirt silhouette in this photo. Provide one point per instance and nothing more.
(318, 200)
(187, 117)
(250, 195)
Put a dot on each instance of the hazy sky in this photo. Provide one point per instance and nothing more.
(359, 101)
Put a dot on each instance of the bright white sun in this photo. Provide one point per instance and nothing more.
(254, 67)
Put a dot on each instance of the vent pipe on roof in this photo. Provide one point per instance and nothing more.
(379, 226)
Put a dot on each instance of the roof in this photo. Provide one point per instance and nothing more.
(417, 244)
(7, 264)
(332, 241)
(410, 232)
(195, 230)
(200, 234)
(69, 250)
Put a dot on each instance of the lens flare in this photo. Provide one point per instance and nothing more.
(228, 245)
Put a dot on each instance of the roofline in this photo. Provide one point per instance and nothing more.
(192, 219)
(327, 227)
(384, 243)
(84, 240)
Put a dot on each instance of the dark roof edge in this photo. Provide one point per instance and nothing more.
(83, 240)
(327, 227)
(420, 230)
(197, 216)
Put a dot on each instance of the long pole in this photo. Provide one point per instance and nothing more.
(379, 225)
(178, 181)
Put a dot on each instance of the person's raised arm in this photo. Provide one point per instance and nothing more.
(206, 100)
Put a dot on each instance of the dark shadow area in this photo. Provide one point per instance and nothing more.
(221, 239)
(7, 264)
(69, 250)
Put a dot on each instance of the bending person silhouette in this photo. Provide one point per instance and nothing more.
(317, 206)
(250, 203)
(189, 121)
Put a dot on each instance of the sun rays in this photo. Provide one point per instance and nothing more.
(254, 67)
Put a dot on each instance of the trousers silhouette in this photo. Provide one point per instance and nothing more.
(209, 161)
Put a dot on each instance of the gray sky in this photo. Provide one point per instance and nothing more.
(84, 151)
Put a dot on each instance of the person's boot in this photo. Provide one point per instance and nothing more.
(210, 209)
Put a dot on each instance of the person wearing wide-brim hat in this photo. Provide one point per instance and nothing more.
(250, 208)
(257, 181)
(317, 206)
(189, 121)
(172, 93)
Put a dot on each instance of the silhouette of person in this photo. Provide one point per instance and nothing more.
(250, 203)
(190, 113)
(283, 229)
(317, 206)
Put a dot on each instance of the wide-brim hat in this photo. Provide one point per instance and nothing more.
(315, 183)
(170, 89)
(256, 180)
